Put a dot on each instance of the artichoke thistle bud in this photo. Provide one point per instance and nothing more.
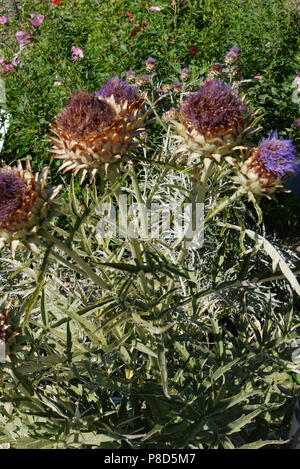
(94, 132)
(232, 55)
(150, 64)
(176, 86)
(130, 76)
(166, 87)
(184, 74)
(212, 121)
(25, 205)
(216, 69)
(143, 81)
(267, 166)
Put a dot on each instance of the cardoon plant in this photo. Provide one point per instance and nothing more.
(136, 329)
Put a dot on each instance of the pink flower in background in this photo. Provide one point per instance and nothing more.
(36, 20)
(3, 20)
(297, 81)
(258, 77)
(16, 61)
(6, 67)
(76, 52)
(57, 83)
(154, 9)
(24, 39)
(20, 34)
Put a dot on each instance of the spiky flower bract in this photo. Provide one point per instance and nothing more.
(94, 132)
(212, 121)
(25, 205)
(268, 165)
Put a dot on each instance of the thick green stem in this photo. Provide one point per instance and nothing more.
(140, 201)
(222, 205)
(202, 183)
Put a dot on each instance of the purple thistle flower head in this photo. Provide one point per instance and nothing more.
(232, 54)
(150, 61)
(120, 90)
(277, 156)
(176, 86)
(12, 189)
(84, 113)
(130, 74)
(185, 73)
(214, 110)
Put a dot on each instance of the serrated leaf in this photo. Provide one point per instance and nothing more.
(260, 443)
(277, 259)
(238, 424)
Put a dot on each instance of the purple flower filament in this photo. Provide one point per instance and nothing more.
(119, 89)
(215, 109)
(277, 156)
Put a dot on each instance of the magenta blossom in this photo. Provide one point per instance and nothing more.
(5, 67)
(258, 77)
(24, 39)
(3, 20)
(154, 9)
(36, 20)
(16, 61)
(76, 52)
(297, 81)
